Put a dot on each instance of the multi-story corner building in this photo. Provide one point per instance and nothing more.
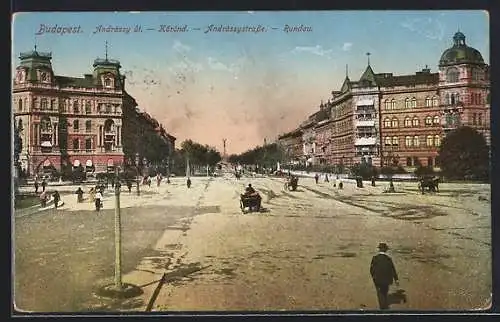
(68, 122)
(291, 144)
(385, 119)
(410, 118)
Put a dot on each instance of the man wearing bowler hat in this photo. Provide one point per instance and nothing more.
(383, 274)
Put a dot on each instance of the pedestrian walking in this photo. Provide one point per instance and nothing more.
(326, 177)
(158, 180)
(383, 274)
(316, 178)
(36, 185)
(373, 181)
(43, 199)
(98, 198)
(129, 186)
(79, 194)
(44, 184)
(57, 198)
(188, 183)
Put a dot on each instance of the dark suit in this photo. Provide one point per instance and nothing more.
(383, 274)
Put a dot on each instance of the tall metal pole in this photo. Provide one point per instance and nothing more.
(118, 239)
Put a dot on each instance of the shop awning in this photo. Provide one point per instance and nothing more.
(88, 163)
(111, 163)
(76, 163)
(46, 144)
(47, 163)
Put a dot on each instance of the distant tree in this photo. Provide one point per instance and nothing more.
(18, 144)
(464, 154)
(364, 170)
(423, 170)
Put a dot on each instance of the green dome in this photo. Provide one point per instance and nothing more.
(460, 53)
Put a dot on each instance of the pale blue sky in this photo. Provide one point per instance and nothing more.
(229, 76)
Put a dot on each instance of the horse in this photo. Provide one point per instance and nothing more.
(431, 183)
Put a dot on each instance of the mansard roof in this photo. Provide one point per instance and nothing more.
(420, 78)
(65, 81)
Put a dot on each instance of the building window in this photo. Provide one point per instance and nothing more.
(35, 133)
(474, 121)
(20, 125)
(394, 122)
(416, 141)
(44, 104)
(393, 104)
(88, 126)
(76, 108)
(76, 144)
(387, 122)
(413, 102)
(408, 161)
(20, 105)
(477, 74)
(437, 140)
(428, 102)
(480, 119)
(415, 121)
(76, 125)
(88, 108)
(428, 120)
(387, 140)
(435, 101)
(452, 75)
(408, 141)
(447, 98)
(387, 104)
(407, 103)
(88, 145)
(53, 104)
(108, 109)
(407, 122)
(430, 140)
(44, 77)
(436, 120)
(108, 82)
(429, 162)
(395, 140)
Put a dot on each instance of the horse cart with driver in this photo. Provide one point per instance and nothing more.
(291, 183)
(250, 202)
(430, 184)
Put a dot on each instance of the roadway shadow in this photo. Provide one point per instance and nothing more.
(397, 297)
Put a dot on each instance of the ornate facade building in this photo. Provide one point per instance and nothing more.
(68, 122)
(384, 119)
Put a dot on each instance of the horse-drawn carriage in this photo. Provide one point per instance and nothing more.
(429, 183)
(252, 202)
(291, 183)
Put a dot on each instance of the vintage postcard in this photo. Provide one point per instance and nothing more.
(251, 161)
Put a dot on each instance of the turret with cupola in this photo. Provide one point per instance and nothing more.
(463, 86)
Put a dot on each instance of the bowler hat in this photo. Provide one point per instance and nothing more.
(383, 246)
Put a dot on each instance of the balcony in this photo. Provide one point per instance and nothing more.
(365, 122)
(365, 141)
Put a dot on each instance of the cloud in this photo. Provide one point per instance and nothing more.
(316, 50)
(427, 27)
(180, 47)
(217, 65)
(347, 46)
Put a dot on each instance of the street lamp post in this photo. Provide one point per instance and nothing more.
(137, 173)
(118, 237)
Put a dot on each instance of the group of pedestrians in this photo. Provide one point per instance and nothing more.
(337, 183)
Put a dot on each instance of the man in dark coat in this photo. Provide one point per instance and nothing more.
(383, 274)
